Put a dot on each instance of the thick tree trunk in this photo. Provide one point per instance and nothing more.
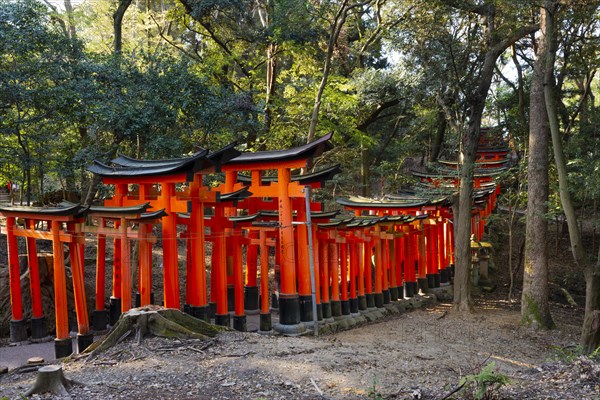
(438, 138)
(118, 24)
(534, 299)
(590, 335)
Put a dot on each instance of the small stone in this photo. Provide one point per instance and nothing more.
(3, 370)
(227, 384)
(35, 360)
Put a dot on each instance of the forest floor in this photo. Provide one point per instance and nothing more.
(419, 354)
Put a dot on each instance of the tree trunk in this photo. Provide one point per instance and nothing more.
(438, 139)
(534, 299)
(590, 335)
(118, 24)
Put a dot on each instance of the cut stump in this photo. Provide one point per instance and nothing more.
(157, 321)
(50, 379)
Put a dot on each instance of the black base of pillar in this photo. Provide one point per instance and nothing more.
(212, 307)
(251, 302)
(114, 310)
(18, 330)
(378, 297)
(437, 280)
(422, 282)
(354, 306)
(326, 310)
(230, 298)
(445, 275)
(345, 307)
(265, 322)
(362, 302)
(336, 308)
(430, 280)
(410, 289)
(370, 300)
(84, 341)
(186, 309)
(306, 311)
(387, 297)
(239, 323)
(63, 348)
(274, 301)
(39, 329)
(394, 293)
(222, 320)
(99, 320)
(400, 292)
(202, 312)
(138, 300)
(452, 270)
(289, 309)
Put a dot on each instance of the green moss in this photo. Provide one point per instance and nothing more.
(533, 314)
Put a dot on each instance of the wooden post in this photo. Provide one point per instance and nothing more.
(343, 249)
(265, 312)
(18, 329)
(170, 256)
(289, 303)
(62, 344)
(378, 268)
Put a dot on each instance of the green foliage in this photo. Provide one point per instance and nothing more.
(485, 384)
(373, 392)
(568, 354)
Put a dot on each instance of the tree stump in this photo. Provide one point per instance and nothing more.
(157, 321)
(50, 379)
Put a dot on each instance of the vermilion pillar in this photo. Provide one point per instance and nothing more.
(343, 248)
(316, 270)
(219, 270)
(368, 263)
(334, 273)
(199, 307)
(354, 257)
(378, 268)
(393, 284)
(170, 257)
(18, 329)
(325, 278)
(99, 315)
(303, 267)
(385, 269)
(145, 265)
(360, 246)
(410, 261)
(422, 258)
(265, 312)
(239, 319)
(38, 321)
(432, 253)
(251, 289)
(62, 344)
(84, 338)
(289, 303)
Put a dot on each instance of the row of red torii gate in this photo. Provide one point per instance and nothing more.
(376, 252)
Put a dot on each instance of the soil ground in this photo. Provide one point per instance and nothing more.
(421, 353)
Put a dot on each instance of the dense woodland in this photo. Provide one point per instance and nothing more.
(393, 79)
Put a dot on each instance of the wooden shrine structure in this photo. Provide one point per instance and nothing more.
(259, 222)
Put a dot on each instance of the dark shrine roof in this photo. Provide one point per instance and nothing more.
(60, 211)
(322, 175)
(365, 202)
(309, 150)
(188, 165)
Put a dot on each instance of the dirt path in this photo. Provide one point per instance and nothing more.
(422, 352)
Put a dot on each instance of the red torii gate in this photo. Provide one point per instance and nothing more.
(284, 190)
(166, 174)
